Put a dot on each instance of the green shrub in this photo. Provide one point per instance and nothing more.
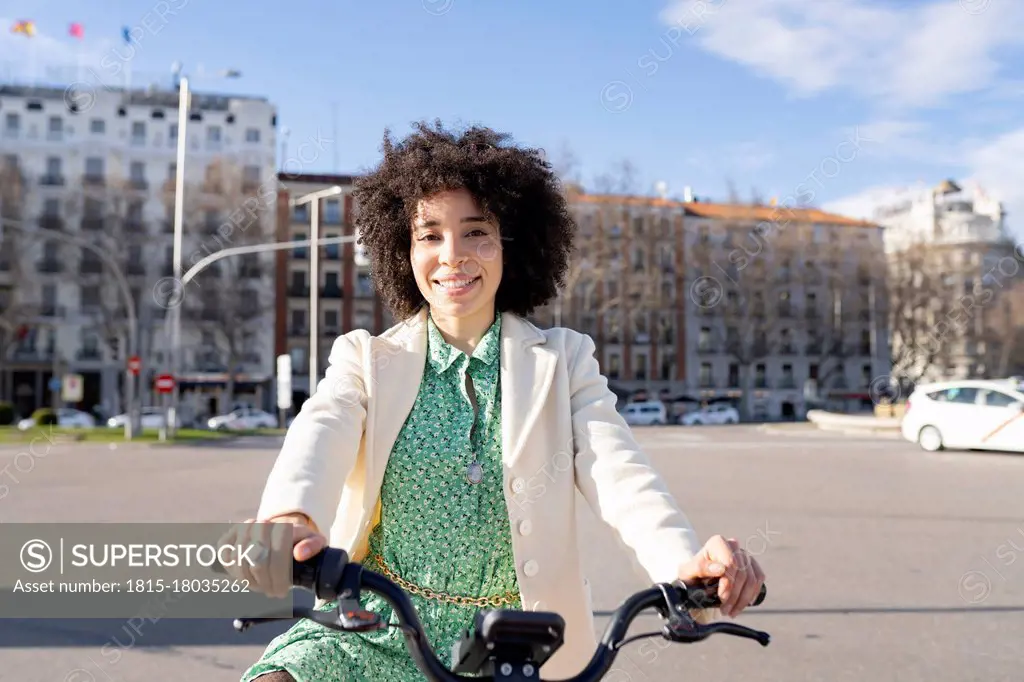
(44, 416)
(7, 415)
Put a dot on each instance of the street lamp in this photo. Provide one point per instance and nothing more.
(184, 105)
(313, 199)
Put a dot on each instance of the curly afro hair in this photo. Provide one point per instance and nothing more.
(512, 185)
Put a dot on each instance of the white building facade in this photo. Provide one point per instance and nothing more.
(101, 169)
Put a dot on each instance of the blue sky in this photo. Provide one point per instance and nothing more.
(838, 102)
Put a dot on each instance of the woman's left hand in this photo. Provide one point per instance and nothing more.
(739, 576)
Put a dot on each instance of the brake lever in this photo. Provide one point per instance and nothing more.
(351, 614)
(681, 627)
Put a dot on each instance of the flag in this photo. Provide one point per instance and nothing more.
(24, 27)
(126, 33)
(76, 30)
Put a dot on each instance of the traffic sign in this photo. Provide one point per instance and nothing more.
(71, 391)
(54, 383)
(164, 383)
(284, 381)
(134, 364)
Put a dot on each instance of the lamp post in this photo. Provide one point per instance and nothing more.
(313, 199)
(184, 104)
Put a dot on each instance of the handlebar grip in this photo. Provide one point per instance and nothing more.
(706, 596)
(321, 573)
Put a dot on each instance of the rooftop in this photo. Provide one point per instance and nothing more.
(746, 212)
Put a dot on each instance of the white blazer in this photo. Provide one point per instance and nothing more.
(560, 433)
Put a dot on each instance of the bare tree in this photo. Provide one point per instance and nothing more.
(230, 300)
(16, 280)
(926, 292)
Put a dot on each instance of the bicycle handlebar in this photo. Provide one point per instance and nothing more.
(331, 576)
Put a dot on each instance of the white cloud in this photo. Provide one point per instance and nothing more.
(900, 55)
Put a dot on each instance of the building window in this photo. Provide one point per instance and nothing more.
(331, 320)
(213, 134)
(332, 212)
(787, 376)
(865, 375)
(707, 379)
(734, 375)
(55, 129)
(812, 371)
(252, 135)
(94, 167)
(300, 252)
(760, 376)
(641, 367)
(97, 126)
(704, 341)
(138, 133)
(298, 322)
(12, 124)
(613, 366)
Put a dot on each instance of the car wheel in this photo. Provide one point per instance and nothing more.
(930, 439)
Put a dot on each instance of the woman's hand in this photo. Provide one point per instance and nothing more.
(274, 536)
(739, 576)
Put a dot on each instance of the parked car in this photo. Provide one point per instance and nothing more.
(243, 419)
(712, 414)
(66, 417)
(966, 415)
(151, 418)
(645, 413)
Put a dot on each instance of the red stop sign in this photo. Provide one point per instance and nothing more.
(134, 364)
(164, 383)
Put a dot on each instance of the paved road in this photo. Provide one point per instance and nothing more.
(884, 562)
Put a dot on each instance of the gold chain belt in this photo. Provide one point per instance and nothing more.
(508, 598)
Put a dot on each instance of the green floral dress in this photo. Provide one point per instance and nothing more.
(438, 530)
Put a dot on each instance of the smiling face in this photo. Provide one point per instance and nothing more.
(456, 257)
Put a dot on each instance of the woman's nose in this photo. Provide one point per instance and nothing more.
(453, 253)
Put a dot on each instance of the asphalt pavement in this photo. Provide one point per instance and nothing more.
(884, 562)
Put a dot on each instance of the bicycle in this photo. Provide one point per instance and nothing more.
(505, 645)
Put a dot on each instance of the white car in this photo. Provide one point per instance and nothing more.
(243, 419)
(712, 414)
(966, 415)
(151, 418)
(67, 417)
(645, 413)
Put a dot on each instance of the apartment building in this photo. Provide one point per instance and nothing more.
(103, 173)
(692, 301)
(952, 266)
(347, 299)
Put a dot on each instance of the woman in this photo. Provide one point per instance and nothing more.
(446, 453)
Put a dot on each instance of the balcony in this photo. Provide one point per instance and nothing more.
(707, 382)
(134, 226)
(94, 180)
(50, 265)
(135, 268)
(138, 184)
(295, 290)
(707, 349)
(298, 330)
(90, 267)
(51, 222)
(88, 354)
(52, 310)
(92, 223)
(331, 292)
(787, 382)
(52, 180)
